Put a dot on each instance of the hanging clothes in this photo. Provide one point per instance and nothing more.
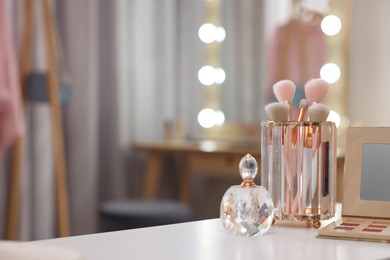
(11, 116)
(297, 51)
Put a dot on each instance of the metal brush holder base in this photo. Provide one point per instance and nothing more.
(298, 168)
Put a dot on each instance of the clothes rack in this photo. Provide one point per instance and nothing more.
(62, 204)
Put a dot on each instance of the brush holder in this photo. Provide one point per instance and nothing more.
(298, 168)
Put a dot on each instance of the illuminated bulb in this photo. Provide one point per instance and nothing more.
(220, 76)
(330, 72)
(334, 117)
(208, 146)
(208, 33)
(207, 118)
(221, 34)
(220, 117)
(207, 75)
(331, 25)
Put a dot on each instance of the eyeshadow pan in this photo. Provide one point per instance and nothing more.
(372, 230)
(350, 224)
(381, 222)
(354, 220)
(343, 228)
(376, 226)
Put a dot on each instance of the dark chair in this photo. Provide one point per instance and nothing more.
(129, 214)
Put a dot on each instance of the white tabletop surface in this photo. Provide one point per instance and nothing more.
(207, 239)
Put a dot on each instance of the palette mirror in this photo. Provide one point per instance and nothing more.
(365, 191)
(375, 172)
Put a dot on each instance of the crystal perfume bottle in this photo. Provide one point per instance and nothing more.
(246, 209)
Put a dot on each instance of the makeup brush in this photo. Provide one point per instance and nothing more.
(284, 91)
(318, 112)
(277, 111)
(301, 115)
(315, 90)
(302, 109)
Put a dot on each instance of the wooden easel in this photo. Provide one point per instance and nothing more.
(56, 120)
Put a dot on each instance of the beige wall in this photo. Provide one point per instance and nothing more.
(369, 68)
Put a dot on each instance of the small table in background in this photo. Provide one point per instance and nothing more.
(198, 156)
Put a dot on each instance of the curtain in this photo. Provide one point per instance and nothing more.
(131, 65)
(243, 58)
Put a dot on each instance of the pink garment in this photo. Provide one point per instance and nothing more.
(304, 54)
(11, 117)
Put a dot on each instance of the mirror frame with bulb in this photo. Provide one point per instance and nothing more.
(335, 65)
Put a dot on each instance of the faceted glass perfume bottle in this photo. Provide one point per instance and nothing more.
(246, 209)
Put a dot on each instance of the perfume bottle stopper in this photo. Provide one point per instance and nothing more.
(248, 171)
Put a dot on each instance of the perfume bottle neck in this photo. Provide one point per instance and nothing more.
(247, 183)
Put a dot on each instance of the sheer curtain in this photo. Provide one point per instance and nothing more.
(132, 65)
(243, 58)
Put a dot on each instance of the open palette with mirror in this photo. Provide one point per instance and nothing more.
(366, 188)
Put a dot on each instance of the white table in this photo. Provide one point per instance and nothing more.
(207, 239)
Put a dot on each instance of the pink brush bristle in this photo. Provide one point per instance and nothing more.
(315, 90)
(284, 90)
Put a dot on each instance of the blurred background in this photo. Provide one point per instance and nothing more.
(158, 100)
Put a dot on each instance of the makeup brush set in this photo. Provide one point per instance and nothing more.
(298, 154)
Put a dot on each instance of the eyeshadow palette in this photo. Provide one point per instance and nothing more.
(357, 229)
(366, 193)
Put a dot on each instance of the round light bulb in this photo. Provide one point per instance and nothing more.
(207, 75)
(207, 118)
(330, 72)
(207, 33)
(220, 76)
(221, 34)
(331, 25)
(220, 117)
(334, 117)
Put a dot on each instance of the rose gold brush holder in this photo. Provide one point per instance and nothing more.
(298, 168)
